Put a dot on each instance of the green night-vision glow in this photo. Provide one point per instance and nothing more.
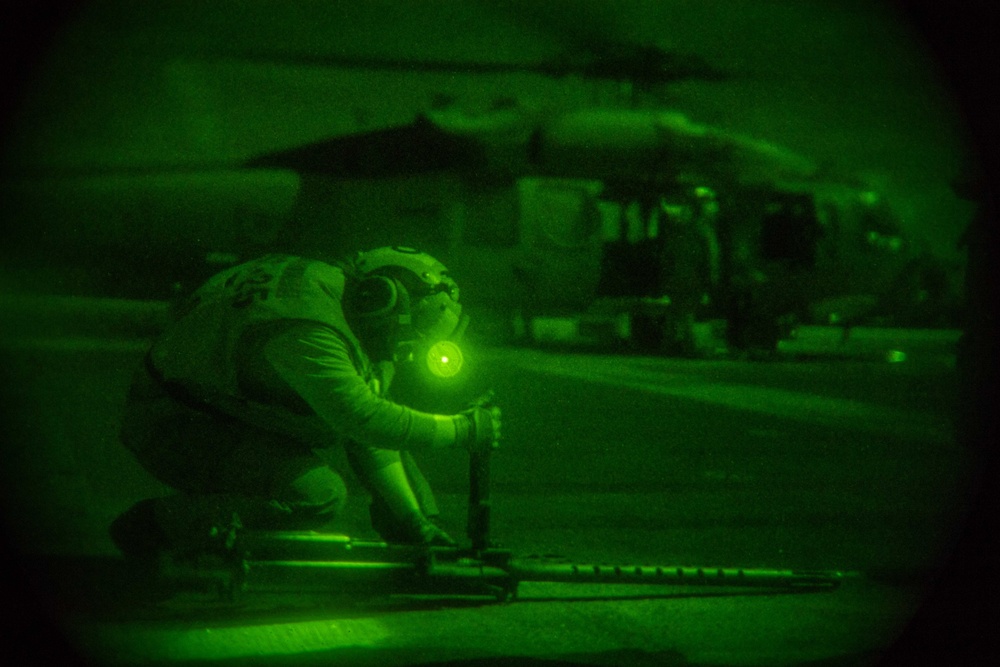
(444, 359)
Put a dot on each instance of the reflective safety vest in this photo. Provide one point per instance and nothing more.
(218, 329)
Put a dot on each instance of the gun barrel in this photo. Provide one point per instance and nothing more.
(528, 569)
(304, 561)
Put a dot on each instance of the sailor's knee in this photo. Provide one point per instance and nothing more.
(319, 491)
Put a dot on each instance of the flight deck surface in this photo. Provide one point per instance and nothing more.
(808, 464)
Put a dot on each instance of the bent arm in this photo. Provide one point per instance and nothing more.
(316, 364)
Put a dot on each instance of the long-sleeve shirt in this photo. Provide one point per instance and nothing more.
(267, 343)
(308, 363)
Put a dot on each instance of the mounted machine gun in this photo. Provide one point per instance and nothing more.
(284, 561)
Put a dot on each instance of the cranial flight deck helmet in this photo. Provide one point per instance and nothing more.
(405, 297)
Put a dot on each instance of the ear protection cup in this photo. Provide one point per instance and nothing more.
(375, 297)
(380, 306)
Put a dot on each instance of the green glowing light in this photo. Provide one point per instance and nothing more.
(895, 356)
(444, 359)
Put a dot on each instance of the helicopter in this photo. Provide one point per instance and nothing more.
(532, 196)
(585, 213)
(172, 221)
(540, 200)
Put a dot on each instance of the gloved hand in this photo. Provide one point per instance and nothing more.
(414, 529)
(423, 531)
(478, 428)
